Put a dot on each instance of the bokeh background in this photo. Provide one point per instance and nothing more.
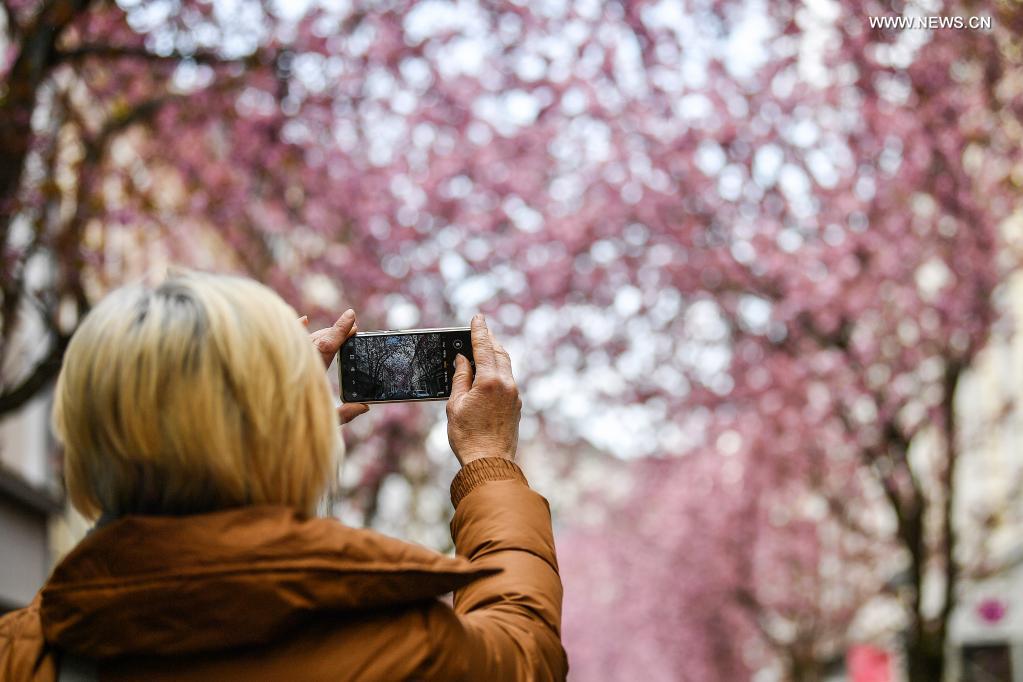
(756, 264)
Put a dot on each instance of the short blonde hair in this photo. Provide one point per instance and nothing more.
(201, 393)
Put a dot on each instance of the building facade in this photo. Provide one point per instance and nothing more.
(30, 503)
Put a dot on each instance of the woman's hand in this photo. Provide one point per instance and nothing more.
(327, 342)
(483, 413)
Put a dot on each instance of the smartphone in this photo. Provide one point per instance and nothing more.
(401, 366)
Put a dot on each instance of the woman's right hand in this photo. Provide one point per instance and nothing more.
(327, 342)
(483, 412)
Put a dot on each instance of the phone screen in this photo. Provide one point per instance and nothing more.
(401, 366)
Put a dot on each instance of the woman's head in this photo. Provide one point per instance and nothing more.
(198, 394)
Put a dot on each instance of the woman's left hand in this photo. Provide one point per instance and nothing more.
(327, 342)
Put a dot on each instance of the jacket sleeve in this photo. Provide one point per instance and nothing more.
(24, 654)
(510, 622)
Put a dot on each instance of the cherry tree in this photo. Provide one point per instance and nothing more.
(848, 273)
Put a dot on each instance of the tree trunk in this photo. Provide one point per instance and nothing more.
(804, 667)
(807, 673)
(925, 660)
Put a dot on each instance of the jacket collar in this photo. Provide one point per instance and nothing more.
(172, 585)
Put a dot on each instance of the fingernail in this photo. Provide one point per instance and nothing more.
(348, 314)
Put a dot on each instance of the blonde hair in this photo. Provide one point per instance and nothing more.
(201, 393)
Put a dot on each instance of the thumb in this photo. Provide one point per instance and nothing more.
(461, 381)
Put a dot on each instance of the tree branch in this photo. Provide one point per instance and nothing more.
(47, 368)
(83, 52)
(13, 29)
(30, 69)
(41, 375)
(953, 372)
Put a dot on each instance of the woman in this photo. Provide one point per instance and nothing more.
(198, 427)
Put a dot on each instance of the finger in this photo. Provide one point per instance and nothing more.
(343, 326)
(346, 412)
(482, 346)
(328, 340)
(461, 380)
(504, 366)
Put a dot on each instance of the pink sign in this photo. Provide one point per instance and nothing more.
(866, 663)
(992, 611)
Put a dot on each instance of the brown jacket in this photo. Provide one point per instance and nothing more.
(261, 593)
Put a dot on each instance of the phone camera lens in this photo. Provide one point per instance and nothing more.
(457, 343)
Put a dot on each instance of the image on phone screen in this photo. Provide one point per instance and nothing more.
(401, 366)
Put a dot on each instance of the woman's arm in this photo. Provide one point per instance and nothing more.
(507, 626)
(512, 620)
